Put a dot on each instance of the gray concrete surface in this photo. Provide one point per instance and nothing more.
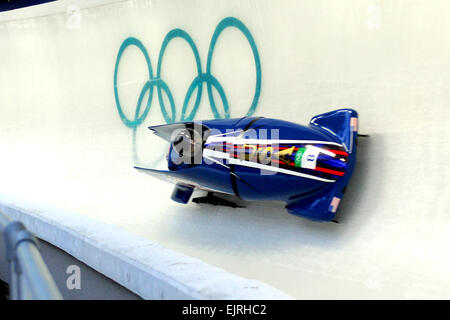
(89, 284)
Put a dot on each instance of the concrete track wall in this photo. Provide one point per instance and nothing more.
(64, 144)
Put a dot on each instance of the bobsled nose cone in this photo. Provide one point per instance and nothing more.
(165, 131)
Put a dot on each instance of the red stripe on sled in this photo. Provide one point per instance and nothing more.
(339, 152)
(336, 173)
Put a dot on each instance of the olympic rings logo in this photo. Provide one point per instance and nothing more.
(207, 77)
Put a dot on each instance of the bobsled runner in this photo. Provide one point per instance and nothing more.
(256, 158)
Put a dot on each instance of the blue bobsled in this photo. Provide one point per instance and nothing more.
(256, 158)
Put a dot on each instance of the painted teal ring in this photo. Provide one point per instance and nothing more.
(178, 33)
(197, 83)
(225, 23)
(137, 119)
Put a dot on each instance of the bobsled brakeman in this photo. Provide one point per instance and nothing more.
(256, 158)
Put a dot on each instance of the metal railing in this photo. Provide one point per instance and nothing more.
(29, 277)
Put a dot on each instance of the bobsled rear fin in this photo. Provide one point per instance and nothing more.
(342, 124)
(319, 207)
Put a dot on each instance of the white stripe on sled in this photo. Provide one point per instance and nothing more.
(236, 140)
(223, 155)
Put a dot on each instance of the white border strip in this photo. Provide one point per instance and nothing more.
(145, 268)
